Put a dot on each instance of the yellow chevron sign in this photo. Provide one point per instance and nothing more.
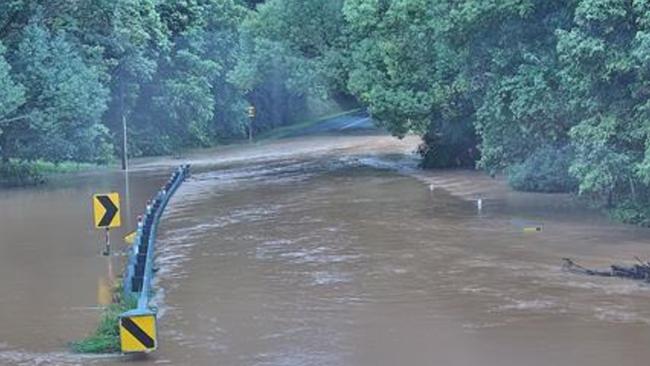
(106, 208)
(138, 333)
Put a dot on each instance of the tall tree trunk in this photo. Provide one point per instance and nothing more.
(4, 148)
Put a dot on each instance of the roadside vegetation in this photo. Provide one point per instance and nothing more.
(106, 338)
(554, 94)
(18, 173)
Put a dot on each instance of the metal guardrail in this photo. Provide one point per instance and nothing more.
(139, 270)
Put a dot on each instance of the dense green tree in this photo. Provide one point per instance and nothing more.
(129, 37)
(289, 51)
(12, 96)
(550, 92)
(412, 79)
(521, 109)
(605, 69)
(190, 91)
(64, 101)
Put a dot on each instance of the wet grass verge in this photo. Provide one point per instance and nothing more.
(106, 338)
(20, 173)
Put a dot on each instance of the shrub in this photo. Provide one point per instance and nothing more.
(106, 338)
(546, 170)
(631, 212)
(19, 173)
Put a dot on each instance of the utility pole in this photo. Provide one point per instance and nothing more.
(125, 166)
(251, 116)
(125, 158)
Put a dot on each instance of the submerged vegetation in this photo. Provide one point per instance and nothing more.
(552, 93)
(18, 173)
(106, 338)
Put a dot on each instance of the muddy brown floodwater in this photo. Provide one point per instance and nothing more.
(330, 251)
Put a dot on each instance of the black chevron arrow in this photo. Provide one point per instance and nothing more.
(110, 208)
(138, 333)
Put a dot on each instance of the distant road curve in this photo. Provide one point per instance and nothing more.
(349, 123)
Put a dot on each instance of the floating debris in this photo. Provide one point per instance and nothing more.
(639, 271)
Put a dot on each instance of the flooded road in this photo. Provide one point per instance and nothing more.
(332, 251)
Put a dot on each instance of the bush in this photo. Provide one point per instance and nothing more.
(631, 212)
(106, 338)
(19, 173)
(546, 170)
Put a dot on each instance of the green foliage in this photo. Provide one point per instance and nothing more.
(106, 338)
(64, 101)
(546, 170)
(632, 212)
(518, 80)
(603, 66)
(74, 71)
(180, 73)
(399, 69)
(12, 96)
(19, 173)
(289, 51)
(190, 90)
(47, 168)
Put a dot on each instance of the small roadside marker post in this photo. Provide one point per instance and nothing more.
(106, 210)
(107, 247)
(252, 112)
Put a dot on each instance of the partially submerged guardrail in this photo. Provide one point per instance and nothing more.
(138, 326)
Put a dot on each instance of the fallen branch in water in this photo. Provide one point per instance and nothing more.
(639, 271)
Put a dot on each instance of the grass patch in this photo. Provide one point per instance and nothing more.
(49, 168)
(20, 173)
(106, 338)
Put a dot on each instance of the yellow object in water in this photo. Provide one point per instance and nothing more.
(130, 238)
(535, 229)
(104, 292)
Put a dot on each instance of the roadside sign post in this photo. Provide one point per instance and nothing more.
(107, 247)
(251, 115)
(106, 210)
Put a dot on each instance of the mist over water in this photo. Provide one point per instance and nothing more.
(343, 253)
